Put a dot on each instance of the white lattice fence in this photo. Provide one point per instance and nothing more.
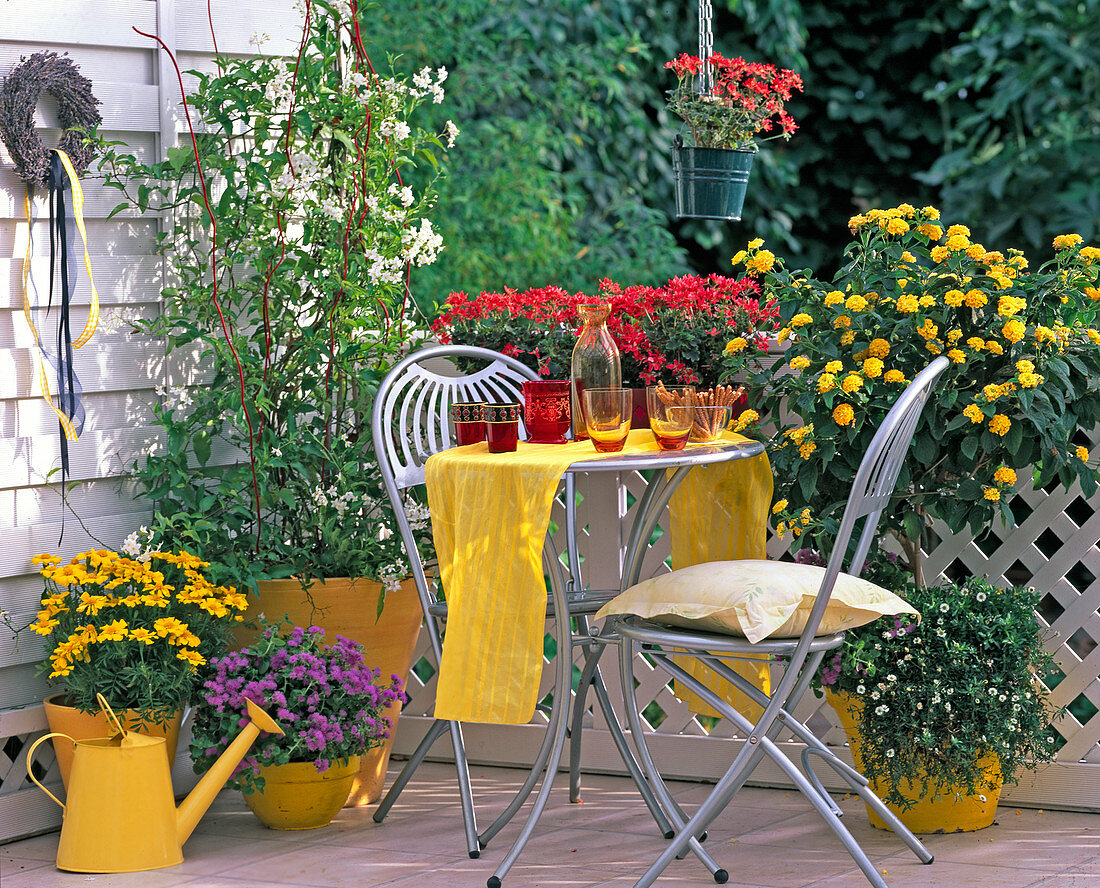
(1054, 548)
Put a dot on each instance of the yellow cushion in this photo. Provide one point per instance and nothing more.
(756, 599)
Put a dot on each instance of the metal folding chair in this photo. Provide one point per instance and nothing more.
(409, 423)
(797, 658)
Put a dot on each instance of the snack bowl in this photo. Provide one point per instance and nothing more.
(709, 423)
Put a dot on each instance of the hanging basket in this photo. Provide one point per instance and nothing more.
(711, 182)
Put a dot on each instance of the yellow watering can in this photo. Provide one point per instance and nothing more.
(121, 815)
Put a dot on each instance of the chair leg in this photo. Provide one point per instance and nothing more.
(437, 729)
(576, 728)
(465, 794)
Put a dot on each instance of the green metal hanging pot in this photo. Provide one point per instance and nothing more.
(710, 182)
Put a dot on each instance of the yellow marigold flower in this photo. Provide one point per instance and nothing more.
(976, 343)
(761, 262)
(1043, 334)
(928, 330)
(842, 321)
(738, 343)
(872, 368)
(801, 320)
(994, 347)
(957, 356)
(783, 335)
(738, 257)
(958, 231)
(848, 338)
(834, 297)
(932, 232)
(957, 242)
(746, 419)
(975, 299)
(1013, 331)
(113, 631)
(856, 302)
(853, 382)
(1005, 476)
(973, 412)
(934, 347)
(991, 493)
(826, 382)
(1000, 424)
(908, 303)
(953, 298)
(897, 226)
(940, 253)
(143, 635)
(192, 657)
(779, 507)
(1082, 453)
(843, 414)
(879, 348)
(756, 242)
(1067, 241)
(894, 376)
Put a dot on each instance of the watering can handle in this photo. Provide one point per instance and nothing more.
(30, 756)
(111, 717)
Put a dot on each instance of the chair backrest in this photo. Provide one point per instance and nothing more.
(410, 420)
(875, 480)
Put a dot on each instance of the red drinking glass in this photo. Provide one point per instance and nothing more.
(546, 410)
(502, 427)
(469, 420)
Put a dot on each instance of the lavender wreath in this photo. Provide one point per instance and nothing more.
(76, 105)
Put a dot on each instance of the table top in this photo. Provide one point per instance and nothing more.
(692, 455)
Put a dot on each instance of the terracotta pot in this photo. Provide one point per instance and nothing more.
(951, 812)
(79, 725)
(298, 796)
(343, 606)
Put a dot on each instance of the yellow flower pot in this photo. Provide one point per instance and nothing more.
(298, 796)
(64, 719)
(343, 606)
(952, 811)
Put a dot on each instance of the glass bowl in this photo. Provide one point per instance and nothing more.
(709, 423)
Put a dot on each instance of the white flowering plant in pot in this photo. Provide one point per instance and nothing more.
(298, 214)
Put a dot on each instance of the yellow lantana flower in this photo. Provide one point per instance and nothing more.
(1013, 331)
(994, 347)
(801, 320)
(857, 302)
(1004, 475)
(879, 348)
(738, 257)
(842, 321)
(1082, 454)
(953, 298)
(894, 376)
(976, 343)
(761, 262)
(834, 366)
(806, 449)
(826, 382)
(1043, 334)
(973, 412)
(853, 382)
(957, 356)
(843, 414)
(928, 330)
(957, 242)
(834, 297)
(1000, 424)
(756, 243)
(933, 347)
(1067, 241)
(1010, 306)
(908, 303)
(940, 253)
(897, 226)
(991, 493)
(930, 212)
(958, 231)
(779, 507)
(737, 344)
(932, 232)
(872, 368)
(746, 419)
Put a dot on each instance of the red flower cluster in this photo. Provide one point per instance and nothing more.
(676, 332)
(747, 98)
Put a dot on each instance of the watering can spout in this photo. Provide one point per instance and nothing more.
(200, 798)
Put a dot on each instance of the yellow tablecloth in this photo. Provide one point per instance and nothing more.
(489, 518)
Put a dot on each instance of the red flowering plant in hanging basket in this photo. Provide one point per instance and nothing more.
(742, 100)
(676, 332)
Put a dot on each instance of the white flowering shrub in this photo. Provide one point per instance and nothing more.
(298, 217)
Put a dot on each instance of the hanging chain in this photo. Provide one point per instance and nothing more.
(706, 46)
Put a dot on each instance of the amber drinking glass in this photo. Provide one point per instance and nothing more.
(607, 417)
(502, 427)
(546, 410)
(670, 414)
(469, 420)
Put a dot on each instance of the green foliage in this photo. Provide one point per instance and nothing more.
(288, 304)
(1020, 100)
(1020, 389)
(560, 173)
(939, 695)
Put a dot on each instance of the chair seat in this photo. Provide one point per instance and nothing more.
(583, 603)
(653, 632)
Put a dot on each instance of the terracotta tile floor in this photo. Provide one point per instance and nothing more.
(770, 840)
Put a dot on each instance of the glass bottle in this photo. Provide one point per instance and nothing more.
(595, 359)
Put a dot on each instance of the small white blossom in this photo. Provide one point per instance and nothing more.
(861, 689)
(450, 133)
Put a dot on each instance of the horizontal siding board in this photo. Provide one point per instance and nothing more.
(73, 23)
(114, 326)
(19, 686)
(110, 532)
(101, 368)
(95, 455)
(30, 417)
(119, 280)
(98, 63)
(235, 22)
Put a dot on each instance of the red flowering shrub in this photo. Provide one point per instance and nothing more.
(676, 332)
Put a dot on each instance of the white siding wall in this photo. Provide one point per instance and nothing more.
(119, 370)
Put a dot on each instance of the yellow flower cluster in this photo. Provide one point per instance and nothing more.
(1005, 476)
(746, 419)
(843, 414)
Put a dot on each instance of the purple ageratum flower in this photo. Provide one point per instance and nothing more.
(805, 556)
